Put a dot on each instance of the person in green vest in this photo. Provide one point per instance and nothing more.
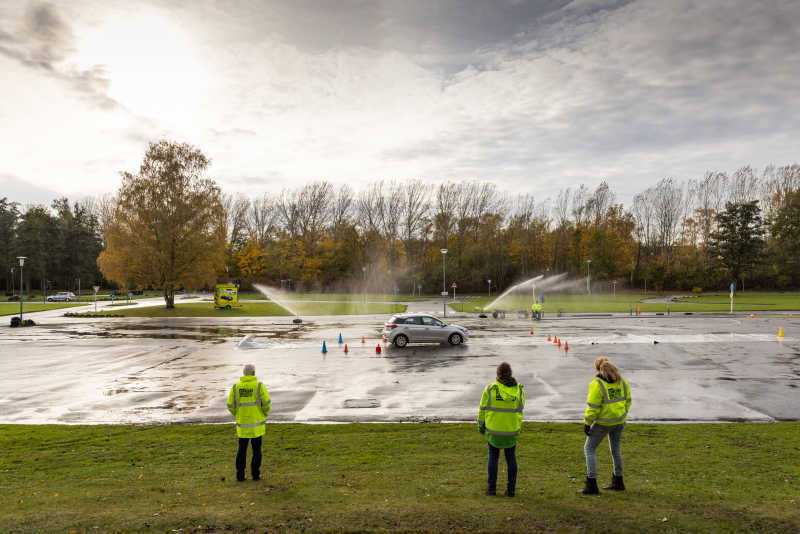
(500, 420)
(249, 403)
(607, 408)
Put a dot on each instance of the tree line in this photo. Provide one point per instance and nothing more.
(170, 225)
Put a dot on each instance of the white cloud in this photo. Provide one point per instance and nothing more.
(534, 99)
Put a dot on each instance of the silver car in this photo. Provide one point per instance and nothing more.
(63, 296)
(422, 328)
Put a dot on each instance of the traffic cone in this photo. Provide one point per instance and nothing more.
(559, 343)
(378, 348)
(363, 340)
(383, 339)
(638, 310)
(780, 332)
(566, 346)
(549, 338)
(555, 339)
(340, 338)
(345, 348)
(324, 348)
(752, 315)
(531, 331)
(790, 315)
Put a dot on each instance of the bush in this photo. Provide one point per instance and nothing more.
(697, 290)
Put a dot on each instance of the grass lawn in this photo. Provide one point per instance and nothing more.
(12, 308)
(709, 478)
(624, 302)
(259, 309)
(345, 297)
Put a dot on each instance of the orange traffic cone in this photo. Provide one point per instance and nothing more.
(383, 339)
(638, 310)
(378, 348)
(559, 342)
(363, 340)
(752, 315)
(549, 338)
(790, 315)
(555, 339)
(346, 350)
(566, 346)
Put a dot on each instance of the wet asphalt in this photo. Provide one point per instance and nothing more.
(680, 368)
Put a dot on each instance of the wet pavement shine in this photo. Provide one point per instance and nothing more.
(680, 368)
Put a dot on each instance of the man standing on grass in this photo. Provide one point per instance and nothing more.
(249, 403)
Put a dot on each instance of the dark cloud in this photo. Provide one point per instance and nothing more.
(42, 43)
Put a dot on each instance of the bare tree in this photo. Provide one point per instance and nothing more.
(580, 198)
(597, 205)
(262, 218)
(444, 210)
(342, 207)
(744, 186)
(236, 211)
(561, 207)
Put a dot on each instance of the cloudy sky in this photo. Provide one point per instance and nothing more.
(534, 96)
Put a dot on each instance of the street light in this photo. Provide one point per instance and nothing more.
(21, 278)
(444, 282)
(588, 277)
(364, 289)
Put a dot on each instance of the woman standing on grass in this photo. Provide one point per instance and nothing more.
(607, 408)
(500, 419)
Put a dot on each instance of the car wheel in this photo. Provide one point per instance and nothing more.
(228, 307)
(400, 341)
(455, 339)
(49, 299)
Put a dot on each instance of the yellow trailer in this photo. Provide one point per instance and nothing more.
(226, 296)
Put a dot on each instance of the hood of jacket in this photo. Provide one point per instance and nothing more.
(507, 391)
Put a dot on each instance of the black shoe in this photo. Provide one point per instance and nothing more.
(616, 484)
(239, 479)
(491, 493)
(256, 477)
(509, 493)
(590, 487)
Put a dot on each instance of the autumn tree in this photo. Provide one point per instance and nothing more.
(168, 229)
(739, 238)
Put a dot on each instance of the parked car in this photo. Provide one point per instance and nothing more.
(406, 328)
(62, 296)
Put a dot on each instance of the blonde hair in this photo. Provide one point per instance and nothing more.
(607, 369)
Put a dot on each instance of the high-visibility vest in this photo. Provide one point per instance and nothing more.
(249, 402)
(607, 402)
(501, 409)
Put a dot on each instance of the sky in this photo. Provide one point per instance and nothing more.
(533, 96)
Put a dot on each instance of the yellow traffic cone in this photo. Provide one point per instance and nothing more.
(780, 332)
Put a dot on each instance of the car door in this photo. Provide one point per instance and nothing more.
(414, 329)
(433, 329)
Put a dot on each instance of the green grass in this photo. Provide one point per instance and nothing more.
(344, 297)
(259, 309)
(709, 478)
(12, 308)
(624, 302)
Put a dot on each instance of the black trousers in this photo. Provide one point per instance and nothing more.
(241, 457)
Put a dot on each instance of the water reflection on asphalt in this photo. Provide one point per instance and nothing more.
(179, 370)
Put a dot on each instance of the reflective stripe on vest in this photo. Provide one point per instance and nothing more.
(499, 433)
(606, 400)
(264, 422)
(236, 402)
(489, 407)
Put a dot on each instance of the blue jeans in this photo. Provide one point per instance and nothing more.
(594, 439)
(511, 463)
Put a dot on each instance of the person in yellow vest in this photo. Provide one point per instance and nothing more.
(248, 402)
(500, 420)
(607, 408)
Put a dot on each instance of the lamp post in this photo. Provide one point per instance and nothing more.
(13, 280)
(588, 277)
(364, 289)
(21, 278)
(444, 282)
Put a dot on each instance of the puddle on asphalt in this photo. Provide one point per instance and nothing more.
(191, 333)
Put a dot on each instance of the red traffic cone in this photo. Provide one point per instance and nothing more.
(549, 338)
(566, 346)
(346, 350)
(555, 339)
(752, 316)
(531, 331)
(378, 348)
(383, 339)
(363, 340)
(559, 342)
